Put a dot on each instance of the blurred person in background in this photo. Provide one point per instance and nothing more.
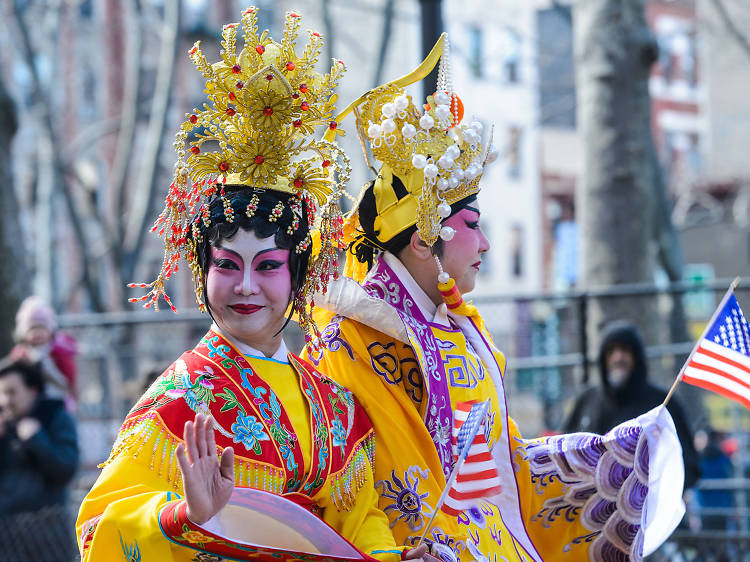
(715, 464)
(38, 340)
(625, 392)
(38, 458)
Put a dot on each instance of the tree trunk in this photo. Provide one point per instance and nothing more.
(614, 51)
(13, 271)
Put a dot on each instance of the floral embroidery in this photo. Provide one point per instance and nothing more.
(249, 431)
(338, 433)
(332, 338)
(408, 503)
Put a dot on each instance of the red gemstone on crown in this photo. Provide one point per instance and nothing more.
(230, 111)
(193, 119)
(195, 149)
(297, 122)
(269, 76)
(298, 183)
(303, 88)
(231, 96)
(259, 159)
(224, 166)
(236, 69)
(260, 49)
(332, 125)
(240, 85)
(295, 95)
(326, 163)
(267, 111)
(290, 66)
(304, 106)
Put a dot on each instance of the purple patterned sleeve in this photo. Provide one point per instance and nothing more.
(606, 485)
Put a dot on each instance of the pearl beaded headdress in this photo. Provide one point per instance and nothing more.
(439, 160)
(264, 106)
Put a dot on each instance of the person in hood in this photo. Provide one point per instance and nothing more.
(625, 392)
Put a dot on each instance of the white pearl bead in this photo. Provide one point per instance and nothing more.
(408, 130)
(477, 126)
(443, 278)
(458, 173)
(444, 210)
(430, 171)
(470, 136)
(389, 125)
(445, 162)
(442, 112)
(419, 161)
(441, 98)
(453, 152)
(388, 109)
(426, 122)
(453, 182)
(442, 184)
(401, 103)
(447, 233)
(374, 131)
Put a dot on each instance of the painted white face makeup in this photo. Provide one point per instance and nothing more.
(249, 287)
(462, 256)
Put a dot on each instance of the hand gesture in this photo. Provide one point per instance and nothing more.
(208, 481)
(27, 428)
(420, 553)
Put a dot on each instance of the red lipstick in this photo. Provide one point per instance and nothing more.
(245, 308)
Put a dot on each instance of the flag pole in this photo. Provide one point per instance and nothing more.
(454, 473)
(730, 290)
(448, 485)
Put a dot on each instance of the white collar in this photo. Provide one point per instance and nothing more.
(438, 314)
(279, 355)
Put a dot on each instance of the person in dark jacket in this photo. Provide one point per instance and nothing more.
(624, 393)
(38, 458)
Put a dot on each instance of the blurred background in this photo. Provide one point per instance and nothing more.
(622, 190)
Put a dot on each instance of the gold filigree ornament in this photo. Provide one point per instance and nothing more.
(439, 159)
(256, 129)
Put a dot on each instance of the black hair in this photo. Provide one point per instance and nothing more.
(290, 229)
(365, 247)
(31, 373)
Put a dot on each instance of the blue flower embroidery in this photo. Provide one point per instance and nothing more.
(249, 431)
(338, 433)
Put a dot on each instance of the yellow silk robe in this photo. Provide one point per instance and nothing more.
(294, 433)
(409, 363)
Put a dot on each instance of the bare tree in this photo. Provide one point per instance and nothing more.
(614, 51)
(12, 266)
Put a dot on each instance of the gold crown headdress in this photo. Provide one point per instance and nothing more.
(265, 104)
(439, 160)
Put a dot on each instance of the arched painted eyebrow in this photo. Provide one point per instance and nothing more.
(264, 251)
(470, 208)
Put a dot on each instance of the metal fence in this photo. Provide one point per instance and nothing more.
(550, 357)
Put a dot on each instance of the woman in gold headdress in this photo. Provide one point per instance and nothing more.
(238, 410)
(412, 350)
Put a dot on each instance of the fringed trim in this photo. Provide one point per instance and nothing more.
(149, 429)
(454, 300)
(148, 432)
(346, 483)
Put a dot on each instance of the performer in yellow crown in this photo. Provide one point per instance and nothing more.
(238, 410)
(398, 333)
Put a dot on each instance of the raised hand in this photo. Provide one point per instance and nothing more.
(207, 481)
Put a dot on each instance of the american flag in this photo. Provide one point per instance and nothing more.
(475, 473)
(721, 360)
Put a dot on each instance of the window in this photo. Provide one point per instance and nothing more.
(516, 251)
(514, 152)
(511, 51)
(475, 51)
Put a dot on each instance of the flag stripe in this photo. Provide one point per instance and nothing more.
(712, 358)
(712, 366)
(720, 389)
(713, 378)
(486, 474)
(474, 494)
(726, 352)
